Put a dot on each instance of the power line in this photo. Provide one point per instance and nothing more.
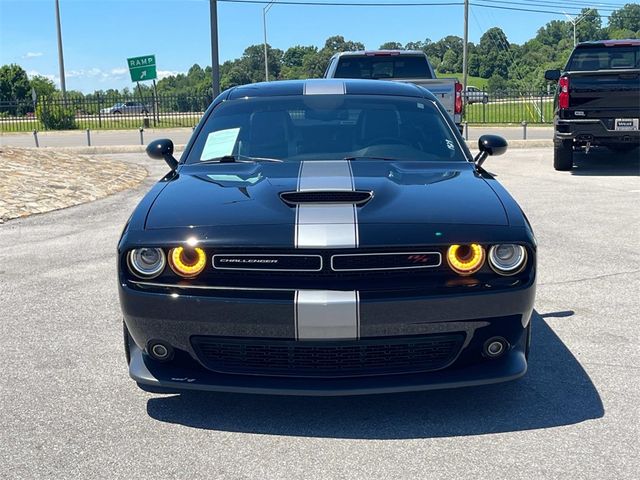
(403, 4)
(345, 4)
(547, 4)
(517, 9)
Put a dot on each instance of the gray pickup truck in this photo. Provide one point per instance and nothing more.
(411, 66)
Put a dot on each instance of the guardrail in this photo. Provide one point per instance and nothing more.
(97, 112)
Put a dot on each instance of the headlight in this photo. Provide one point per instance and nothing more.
(146, 262)
(507, 258)
(465, 259)
(187, 262)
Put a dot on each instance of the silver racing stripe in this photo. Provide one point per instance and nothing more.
(326, 225)
(326, 314)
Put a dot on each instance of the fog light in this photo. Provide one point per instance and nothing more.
(160, 351)
(495, 347)
(465, 259)
(187, 262)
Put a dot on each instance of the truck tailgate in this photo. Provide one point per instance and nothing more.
(444, 89)
(605, 93)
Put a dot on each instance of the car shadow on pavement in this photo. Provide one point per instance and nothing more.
(555, 391)
(604, 162)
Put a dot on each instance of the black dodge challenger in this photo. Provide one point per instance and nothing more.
(326, 237)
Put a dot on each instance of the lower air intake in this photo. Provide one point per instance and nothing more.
(379, 356)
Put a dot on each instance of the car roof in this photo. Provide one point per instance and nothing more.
(329, 86)
(380, 53)
(630, 42)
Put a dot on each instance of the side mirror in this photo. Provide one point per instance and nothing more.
(490, 145)
(552, 75)
(162, 149)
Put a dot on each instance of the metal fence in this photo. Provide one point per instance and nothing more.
(102, 113)
(508, 107)
(107, 113)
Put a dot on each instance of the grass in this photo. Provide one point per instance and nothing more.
(481, 83)
(532, 111)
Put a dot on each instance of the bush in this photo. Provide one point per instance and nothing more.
(56, 115)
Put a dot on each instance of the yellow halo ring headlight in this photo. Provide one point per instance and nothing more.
(187, 262)
(466, 259)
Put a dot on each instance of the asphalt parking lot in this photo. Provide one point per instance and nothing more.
(69, 410)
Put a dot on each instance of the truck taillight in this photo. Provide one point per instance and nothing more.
(458, 103)
(563, 96)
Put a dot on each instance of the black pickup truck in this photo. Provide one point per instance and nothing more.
(597, 100)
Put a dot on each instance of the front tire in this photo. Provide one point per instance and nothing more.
(563, 156)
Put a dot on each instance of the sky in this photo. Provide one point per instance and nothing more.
(98, 35)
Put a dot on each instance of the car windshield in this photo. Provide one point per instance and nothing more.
(326, 127)
(604, 58)
(375, 66)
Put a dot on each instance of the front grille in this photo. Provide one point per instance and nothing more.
(268, 263)
(385, 261)
(326, 196)
(328, 359)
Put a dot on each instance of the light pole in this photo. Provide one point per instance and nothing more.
(63, 85)
(465, 47)
(575, 22)
(215, 63)
(264, 24)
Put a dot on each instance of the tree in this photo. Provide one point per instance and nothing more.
(294, 56)
(391, 46)
(14, 83)
(590, 27)
(42, 86)
(627, 17)
(337, 43)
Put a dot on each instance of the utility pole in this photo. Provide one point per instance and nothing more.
(63, 85)
(215, 59)
(575, 22)
(266, 53)
(465, 47)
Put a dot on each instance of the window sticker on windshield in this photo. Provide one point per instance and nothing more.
(421, 105)
(450, 145)
(220, 143)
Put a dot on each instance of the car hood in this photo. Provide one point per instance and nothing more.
(403, 193)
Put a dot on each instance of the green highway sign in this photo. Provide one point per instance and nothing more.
(142, 68)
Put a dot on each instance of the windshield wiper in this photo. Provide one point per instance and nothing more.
(368, 157)
(240, 159)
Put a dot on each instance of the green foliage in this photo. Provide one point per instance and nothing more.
(626, 18)
(14, 83)
(391, 46)
(42, 86)
(57, 113)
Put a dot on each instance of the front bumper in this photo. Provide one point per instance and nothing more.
(178, 317)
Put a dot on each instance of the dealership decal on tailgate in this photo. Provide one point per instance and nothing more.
(630, 124)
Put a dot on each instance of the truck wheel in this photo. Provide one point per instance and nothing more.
(127, 339)
(563, 156)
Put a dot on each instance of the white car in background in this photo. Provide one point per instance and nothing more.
(475, 95)
(137, 108)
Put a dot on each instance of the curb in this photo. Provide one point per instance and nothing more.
(105, 149)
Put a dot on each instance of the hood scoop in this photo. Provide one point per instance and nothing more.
(356, 197)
